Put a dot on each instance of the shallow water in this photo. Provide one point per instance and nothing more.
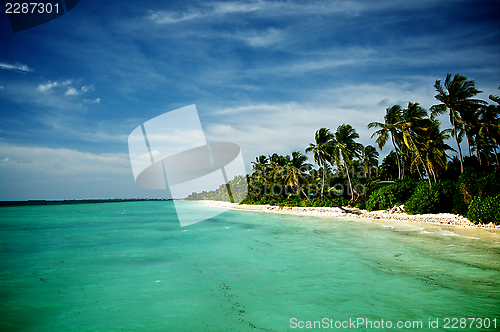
(130, 266)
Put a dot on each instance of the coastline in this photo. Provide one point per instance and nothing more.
(457, 224)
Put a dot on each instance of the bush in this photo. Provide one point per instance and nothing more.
(443, 197)
(479, 184)
(423, 200)
(361, 206)
(450, 197)
(381, 199)
(392, 195)
(484, 210)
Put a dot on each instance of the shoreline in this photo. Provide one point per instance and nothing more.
(443, 221)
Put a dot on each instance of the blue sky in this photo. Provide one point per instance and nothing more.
(263, 74)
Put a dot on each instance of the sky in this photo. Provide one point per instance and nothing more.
(262, 74)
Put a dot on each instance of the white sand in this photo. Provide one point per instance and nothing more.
(443, 221)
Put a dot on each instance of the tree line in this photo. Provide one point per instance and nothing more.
(349, 173)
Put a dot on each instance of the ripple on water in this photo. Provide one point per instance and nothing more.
(89, 267)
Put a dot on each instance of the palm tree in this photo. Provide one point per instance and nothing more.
(495, 98)
(434, 148)
(295, 171)
(320, 150)
(389, 167)
(260, 173)
(389, 128)
(369, 158)
(260, 165)
(489, 127)
(277, 170)
(345, 148)
(413, 125)
(456, 96)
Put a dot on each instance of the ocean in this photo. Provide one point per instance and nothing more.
(131, 267)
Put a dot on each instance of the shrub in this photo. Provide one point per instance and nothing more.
(450, 197)
(361, 206)
(443, 197)
(479, 184)
(423, 200)
(380, 199)
(389, 196)
(484, 210)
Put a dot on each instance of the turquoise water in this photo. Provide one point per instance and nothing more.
(131, 267)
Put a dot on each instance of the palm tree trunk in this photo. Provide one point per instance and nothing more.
(458, 145)
(469, 145)
(348, 178)
(423, 164)
(431, 169)
(302, 191)
(397, 157)
(418, 170)
(323, 180)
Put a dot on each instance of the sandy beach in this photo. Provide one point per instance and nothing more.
(456, 224)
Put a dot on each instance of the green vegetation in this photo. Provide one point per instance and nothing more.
(484, 210)
(418, 173)
(238, 191)
(393, 195)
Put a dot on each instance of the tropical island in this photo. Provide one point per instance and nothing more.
(418, 176)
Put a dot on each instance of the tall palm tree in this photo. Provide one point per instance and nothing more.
(260, 173)
(389, 128)
(389, 167)
(260, 165)
(456, 96)
(345, 148)
(413, 126)
(321, 151)
(489, 127)
(434, 148)
(369, 158)
(295, 171)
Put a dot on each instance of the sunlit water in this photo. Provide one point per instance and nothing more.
(131, 267)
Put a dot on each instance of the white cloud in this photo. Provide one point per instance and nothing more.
(264, 8)
(266, 128)
(87, 88)
(75, 92)
(93, 101)
(48, 173)
(17, 67)
(47, 86)
(207, 10)
(217, 9)
(164, 17)
(61, 162)
(71, 92)
(269, 37)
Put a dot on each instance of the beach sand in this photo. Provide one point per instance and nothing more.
(435, 223)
